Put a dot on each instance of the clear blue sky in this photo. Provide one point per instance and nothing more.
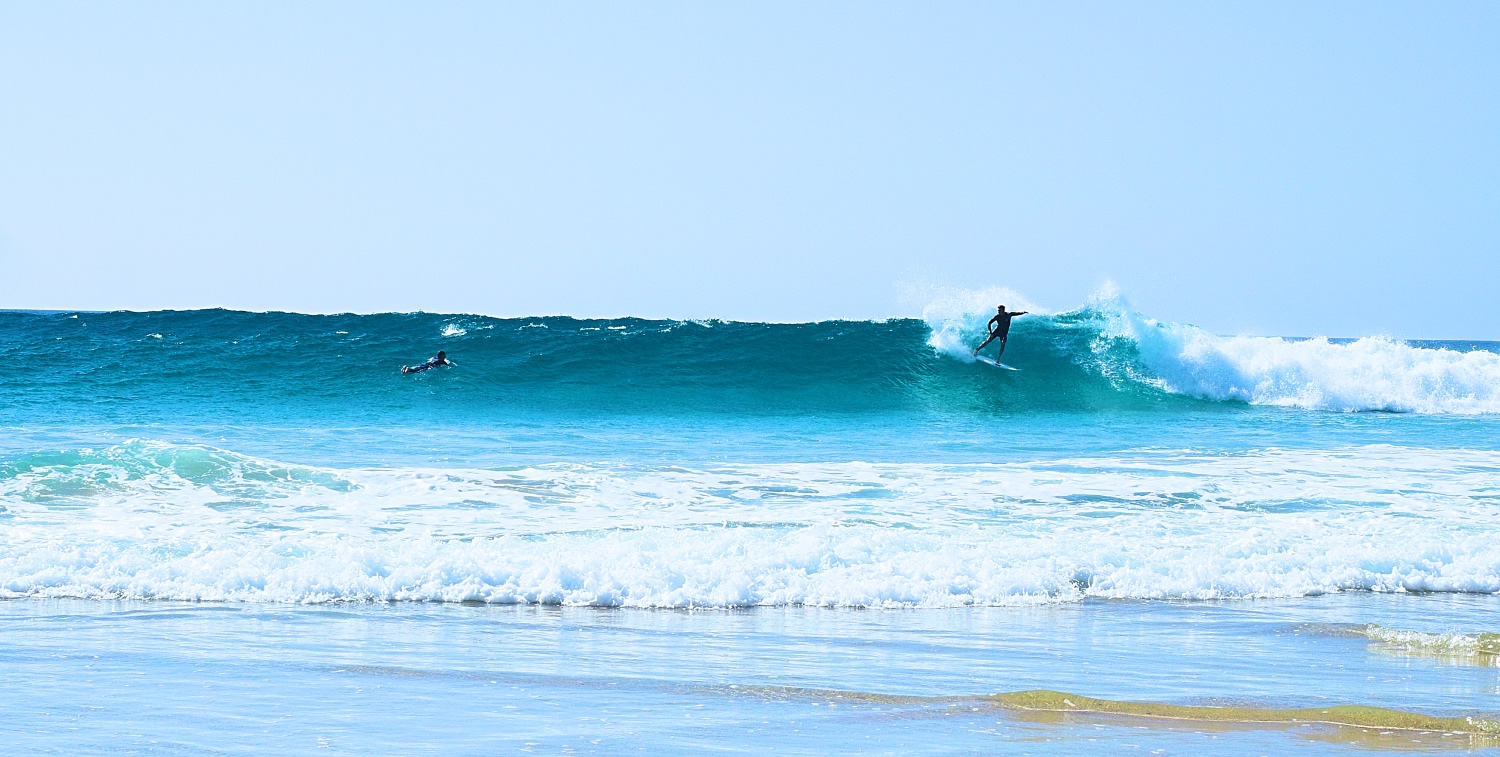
(1277, 168)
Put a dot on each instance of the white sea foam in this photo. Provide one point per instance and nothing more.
(957, 316)
(152, 521)
(1374, 373)
(453, 329)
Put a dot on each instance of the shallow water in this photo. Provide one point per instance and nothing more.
(165, 677)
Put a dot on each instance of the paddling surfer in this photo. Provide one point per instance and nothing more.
(999, 328)
(432, 362)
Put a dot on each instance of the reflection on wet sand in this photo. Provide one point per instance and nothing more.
(1359, 725)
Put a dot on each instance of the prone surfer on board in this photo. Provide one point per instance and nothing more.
(999, 327)
(432, 362)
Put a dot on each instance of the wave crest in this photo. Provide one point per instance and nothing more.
(1372, 373)
(1111, 341)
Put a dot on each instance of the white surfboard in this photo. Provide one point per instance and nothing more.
(996, 363)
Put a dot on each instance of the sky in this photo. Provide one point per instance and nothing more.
(1291, 169)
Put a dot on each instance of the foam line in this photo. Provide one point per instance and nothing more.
(150, 520)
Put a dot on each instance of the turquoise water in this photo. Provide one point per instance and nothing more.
(639, 523)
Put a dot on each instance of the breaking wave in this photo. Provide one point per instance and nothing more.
(151, 520)
(1109, 340)
(266, 367)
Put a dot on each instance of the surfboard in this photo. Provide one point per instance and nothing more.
(996, 363)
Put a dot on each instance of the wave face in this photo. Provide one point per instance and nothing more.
(1106, 340)
(272, 367)
(160, 521)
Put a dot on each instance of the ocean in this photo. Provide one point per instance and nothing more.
(250, 532)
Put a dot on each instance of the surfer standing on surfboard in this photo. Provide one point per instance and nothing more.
(999, 327)
(432, 362)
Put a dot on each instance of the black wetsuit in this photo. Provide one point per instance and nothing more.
(999, 329)
(431, 363)
(1000, 326)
